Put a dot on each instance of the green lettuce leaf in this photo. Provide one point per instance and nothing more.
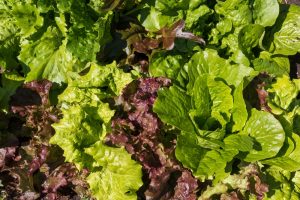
(47, 57)
(27, 18)
(231, 44)
(209, 62)
(9, 39)
(282, 184)
(240, 142)
(120, 177)
(188, 150)
(237, 11)
(275, 65)
(241, 182)
(213, 164)
(239, 110)
(86, 37)
(166, 64)
(285, 33)
(207, 100)
(202, 98)
(221, 98)
(265, 12)
(102, 76)
(267, 133)
(196, 19)
(85, 122)
(154, 20)
(177, 111)
(10, 82)
(67, 40)
(86, 117)
(249, 37)
(167, 5)
(283, 92)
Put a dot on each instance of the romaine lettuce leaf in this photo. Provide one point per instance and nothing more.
(177, 111)
(239, 110)
(249, 37)
(265, 12)
(166, 64)
(267, 133)
(282, 184)
(210, 62)
(213, 164)
(285, 33)
(188, 150)
(221, 99)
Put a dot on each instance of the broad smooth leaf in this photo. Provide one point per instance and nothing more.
(286, 34)
(267, 133)
(265, 12)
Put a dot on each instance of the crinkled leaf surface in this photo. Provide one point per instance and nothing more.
(102, 76)
(9, 40)
(120, 176)
(27, 18)
(275, 65)
(47, 57)
(283, 92)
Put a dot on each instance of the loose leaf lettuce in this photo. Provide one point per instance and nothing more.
(86, 121)
(27, 18)
(47, 57)
(102, 76)
(9, 39)
(120, 176)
